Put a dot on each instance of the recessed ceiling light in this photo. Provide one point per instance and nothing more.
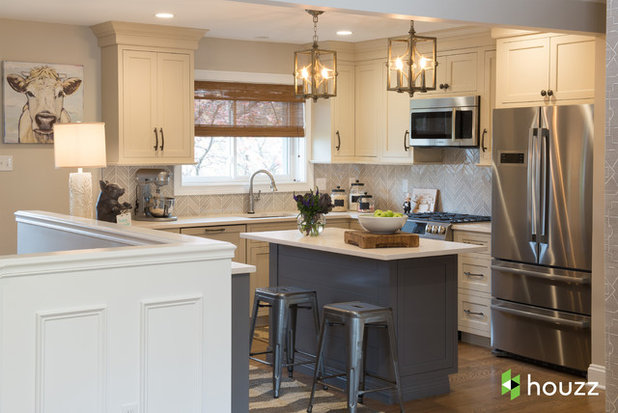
(344, 33)
(164, 15)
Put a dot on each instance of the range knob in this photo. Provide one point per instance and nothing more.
(441, 229)
(430, 229)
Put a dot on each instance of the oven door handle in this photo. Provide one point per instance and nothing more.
(553, 277)
(541, 317)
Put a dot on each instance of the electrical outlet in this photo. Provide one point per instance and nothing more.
(320, 183)
(6, 163)
(129, 408)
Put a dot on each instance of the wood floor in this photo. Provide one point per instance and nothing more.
(476, 388)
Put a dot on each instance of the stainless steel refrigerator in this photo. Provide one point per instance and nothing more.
(542, 233)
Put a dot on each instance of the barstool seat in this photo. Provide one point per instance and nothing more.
(284, 302)
(357, 317)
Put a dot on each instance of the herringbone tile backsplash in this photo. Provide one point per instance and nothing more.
(463, 186)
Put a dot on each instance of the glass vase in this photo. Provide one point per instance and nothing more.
(311, 225)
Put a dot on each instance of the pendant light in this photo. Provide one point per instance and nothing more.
(315, 70)
(411, 63)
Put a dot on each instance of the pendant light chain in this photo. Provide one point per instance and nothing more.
(315, 30)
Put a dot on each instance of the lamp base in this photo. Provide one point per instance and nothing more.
(80, 194)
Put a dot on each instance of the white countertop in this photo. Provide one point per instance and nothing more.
(484, 227)
(331, 240)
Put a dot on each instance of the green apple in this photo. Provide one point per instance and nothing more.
(389, 213)
(377, 213)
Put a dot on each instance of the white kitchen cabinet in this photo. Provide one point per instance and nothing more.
(333, 138)
(474, 284)
(147, 92)
(370, 94)
(544, 69)
(488, 100)
(456, 74)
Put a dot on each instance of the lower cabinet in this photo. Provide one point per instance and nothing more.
(227, 233)
(474, 283)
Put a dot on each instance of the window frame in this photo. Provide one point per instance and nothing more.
(261, 182)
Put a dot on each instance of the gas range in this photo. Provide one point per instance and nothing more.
(437, 225)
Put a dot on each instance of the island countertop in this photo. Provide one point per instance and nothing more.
(332, 240)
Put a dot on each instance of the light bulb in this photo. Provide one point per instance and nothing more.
(399, 63)
(304, 73)
(325, 73)
(423, 62)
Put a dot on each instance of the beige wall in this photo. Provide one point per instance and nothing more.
(244, 56)
(34, 182)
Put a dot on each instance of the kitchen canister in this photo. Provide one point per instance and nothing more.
(340, 199)
(366, 203)
(356, 190)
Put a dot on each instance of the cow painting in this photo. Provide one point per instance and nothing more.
(45, 89)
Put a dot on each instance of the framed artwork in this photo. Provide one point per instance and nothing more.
(424, 200)
(37, 96)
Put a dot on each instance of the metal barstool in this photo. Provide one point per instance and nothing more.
(284, 303)
(357, 317)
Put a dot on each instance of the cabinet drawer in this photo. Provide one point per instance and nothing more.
(474, 238)
(475, 274)
(474, 315)
(227, 233)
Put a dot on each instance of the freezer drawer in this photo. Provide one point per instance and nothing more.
(550, 336)
(557, 289)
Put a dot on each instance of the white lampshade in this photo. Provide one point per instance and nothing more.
(79, 145)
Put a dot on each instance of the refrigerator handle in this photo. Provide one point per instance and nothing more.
(544, 185)
(533, 191)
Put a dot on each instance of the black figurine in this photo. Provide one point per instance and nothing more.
(407, 205)
(107, 204)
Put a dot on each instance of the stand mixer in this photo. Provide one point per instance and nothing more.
(151, 205)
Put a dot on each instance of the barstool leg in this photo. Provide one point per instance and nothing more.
(319, 364)
(356, 331)
(316, 321)
(279, 326)
(392, 339)
(363, 367)
(291, 333)
(253, 321)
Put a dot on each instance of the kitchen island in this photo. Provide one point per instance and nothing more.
(419, 284)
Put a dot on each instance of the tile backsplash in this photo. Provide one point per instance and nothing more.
(463, 186)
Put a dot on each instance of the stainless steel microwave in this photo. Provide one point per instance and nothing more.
(452, 121)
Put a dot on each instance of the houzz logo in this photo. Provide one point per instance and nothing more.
(510, 384)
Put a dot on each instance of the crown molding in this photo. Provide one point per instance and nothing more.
(151, 35)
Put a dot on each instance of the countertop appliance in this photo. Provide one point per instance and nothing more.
(452, 121)
(437, 225)
(542, 233)
(150, 205)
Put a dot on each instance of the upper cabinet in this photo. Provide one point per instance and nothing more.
(147, 92)
(457, 73)
(545, 69)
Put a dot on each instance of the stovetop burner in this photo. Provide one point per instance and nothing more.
(453, 218)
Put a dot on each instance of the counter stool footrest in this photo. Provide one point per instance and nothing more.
(330, 386)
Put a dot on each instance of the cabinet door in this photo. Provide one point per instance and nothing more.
(227, 233)
(461, 73)
(258, 256)
(572, 67)
(175, 107)
(522, 71)
(370, 101)
(488, 99)
(342, 108)
(396, 140)
(139, 104)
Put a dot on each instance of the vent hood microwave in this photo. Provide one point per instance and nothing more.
(452, 121)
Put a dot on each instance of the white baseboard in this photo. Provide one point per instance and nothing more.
(596, 373)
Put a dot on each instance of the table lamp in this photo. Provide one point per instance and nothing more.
(80, 145)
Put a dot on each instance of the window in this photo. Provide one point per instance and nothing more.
(241, 128)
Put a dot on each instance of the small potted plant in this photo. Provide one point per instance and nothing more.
(311, 210)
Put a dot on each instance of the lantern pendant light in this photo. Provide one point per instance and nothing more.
(315, 70)
(411, 63)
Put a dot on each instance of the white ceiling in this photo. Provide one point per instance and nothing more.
(223, 18)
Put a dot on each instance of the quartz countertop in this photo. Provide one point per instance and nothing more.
(331, 240)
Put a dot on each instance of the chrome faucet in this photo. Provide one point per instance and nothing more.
(253, 198)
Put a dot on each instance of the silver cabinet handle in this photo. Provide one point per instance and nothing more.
(162, 139)
(405, 140)
(541, 317)
(474, 312)
(156, 145)
(472, 274)
(338, 141)
(553, 277)
(214, 230)
(483, 147)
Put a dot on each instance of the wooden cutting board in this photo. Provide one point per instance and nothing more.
(364, 239)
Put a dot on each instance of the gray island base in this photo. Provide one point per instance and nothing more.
(419, 284)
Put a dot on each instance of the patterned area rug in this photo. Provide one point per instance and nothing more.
(294, 396)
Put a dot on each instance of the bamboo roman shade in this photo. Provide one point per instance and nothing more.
(247, 109)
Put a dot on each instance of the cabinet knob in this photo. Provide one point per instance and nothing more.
(441, 85)
(550, 92)
(446, 86)
(543, 92)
